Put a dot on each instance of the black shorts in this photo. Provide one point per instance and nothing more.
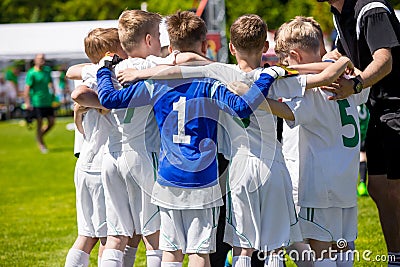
(362, 146)
(45, 112)
(383, 145)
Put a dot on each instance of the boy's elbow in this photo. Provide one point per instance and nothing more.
(105, 102)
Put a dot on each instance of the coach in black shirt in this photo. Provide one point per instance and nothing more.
(369, 34)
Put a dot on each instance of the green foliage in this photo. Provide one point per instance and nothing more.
(272, 11)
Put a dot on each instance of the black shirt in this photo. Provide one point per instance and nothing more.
(378, 28)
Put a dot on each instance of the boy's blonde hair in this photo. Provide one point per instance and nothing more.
(248, 33)
(99, 41)
(133, 25)
(185, 30)
(297, 33)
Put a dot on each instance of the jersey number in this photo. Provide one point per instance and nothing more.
(346, 120)
(180, 106)
(129, 115)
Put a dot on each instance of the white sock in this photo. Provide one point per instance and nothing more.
(98, 261)
(393, 259)
(241, 261)
(171, 264)
(274, 261)
(76, 257)
(325, 263)
(345, 259)
(154, 258)
(129, 256)
(112, 258)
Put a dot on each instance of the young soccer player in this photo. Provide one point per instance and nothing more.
(131, 158)
(328, 153)
(90, 205)
(186, 190)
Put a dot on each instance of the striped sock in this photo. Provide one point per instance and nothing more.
(393, 259)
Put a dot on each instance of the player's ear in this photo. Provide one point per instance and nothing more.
(170, 49)
(232, 49)
(147, 39)
(266, 47)
(294, 55)
(204, 46)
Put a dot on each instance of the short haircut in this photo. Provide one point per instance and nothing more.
(296, 33)
(99, 41)
(133, 25)
(249, 32)
(185, 30)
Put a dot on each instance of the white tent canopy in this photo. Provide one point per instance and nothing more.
(57, 40)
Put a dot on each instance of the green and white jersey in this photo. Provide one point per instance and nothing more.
(96, 127)
(328, 148)
(363, 116)
(255, 136)
(130, 128)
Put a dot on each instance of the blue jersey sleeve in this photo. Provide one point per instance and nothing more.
(135, 95)
(242, 106)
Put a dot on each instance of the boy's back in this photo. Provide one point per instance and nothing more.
(329, 147)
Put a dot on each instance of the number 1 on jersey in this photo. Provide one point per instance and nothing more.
(180, 106)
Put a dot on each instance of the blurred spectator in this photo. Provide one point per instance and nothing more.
(39, 95)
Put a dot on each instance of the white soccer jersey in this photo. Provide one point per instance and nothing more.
(258, 138)
(259, 183)
(329, 146)
(96, 128)
(131, 128)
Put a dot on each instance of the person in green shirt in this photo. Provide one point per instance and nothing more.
(39, 95)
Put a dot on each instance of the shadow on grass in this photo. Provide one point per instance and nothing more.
(61, 149)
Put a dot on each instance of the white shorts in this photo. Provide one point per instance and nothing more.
(90, 205)
(192, 231)
(329, 224)
(128, 178)
(293, 168)
(265, 218)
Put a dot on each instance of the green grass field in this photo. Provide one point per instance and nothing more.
(37, 201)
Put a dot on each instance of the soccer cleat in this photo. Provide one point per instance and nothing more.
(362, 189)
(228, 260)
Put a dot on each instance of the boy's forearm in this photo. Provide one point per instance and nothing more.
(243, 106)
(75, 72)
(162, 72)
(310, 68)
(277, 108)
(126, 97)
(330, 74)
(85, 96)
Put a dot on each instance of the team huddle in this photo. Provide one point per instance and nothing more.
(153, 126)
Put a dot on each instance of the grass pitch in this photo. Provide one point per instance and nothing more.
(37, 202)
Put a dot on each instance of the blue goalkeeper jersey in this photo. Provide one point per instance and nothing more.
(186, 111)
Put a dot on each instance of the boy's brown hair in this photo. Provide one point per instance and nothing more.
(185, 30)
(297, 33)
(133, 25)
(99, 41)
(248, 33)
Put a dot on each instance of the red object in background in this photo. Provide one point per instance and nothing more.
(214, 44)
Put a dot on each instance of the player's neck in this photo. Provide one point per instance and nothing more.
(138, 54)
(248, 63)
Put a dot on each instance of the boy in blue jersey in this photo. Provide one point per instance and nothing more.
(186, 112)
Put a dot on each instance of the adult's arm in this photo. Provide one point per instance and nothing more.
(380, 66)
